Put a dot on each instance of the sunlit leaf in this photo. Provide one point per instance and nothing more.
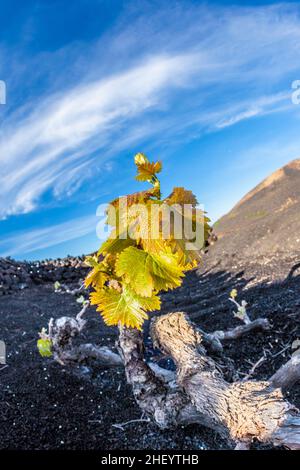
(233, 293)
(140, 159)
(181, 196)
(45, 347)
(57, 285)
(146, 272)
(148, 170)
(126, 308)
(97, 276)
(115, 245)
(189, 259)
(132, 266)
(91, 261)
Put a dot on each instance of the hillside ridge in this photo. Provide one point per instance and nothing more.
(266, 220)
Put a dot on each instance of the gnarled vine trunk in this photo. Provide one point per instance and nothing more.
(239, 411)
(198, 393)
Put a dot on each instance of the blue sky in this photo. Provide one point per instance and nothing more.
(203, 86)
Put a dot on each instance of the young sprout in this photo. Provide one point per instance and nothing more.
(82, 300)
(241, 312)
(44, 344)
(57, 286)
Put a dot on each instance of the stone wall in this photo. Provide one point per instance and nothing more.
(15, 275)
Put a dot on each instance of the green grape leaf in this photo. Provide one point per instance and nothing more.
(96, 277)
(132, 265)
(147, 272)
(126, 307)
(188, 259)
(181, 196)
(166, 268)
(91, 261)
(115, 245)
(147, 170)
(140, 159)
(45, 347)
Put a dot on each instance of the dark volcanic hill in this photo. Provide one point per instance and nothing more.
(266, 221)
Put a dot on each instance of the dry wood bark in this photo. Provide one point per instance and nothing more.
(79, 354)
(64, 330)
(235, 333)
(167, 406)
(288, 374)
(239, 411)
(214, 340)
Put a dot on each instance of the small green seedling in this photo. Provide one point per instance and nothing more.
(81, 300)
(57, 286)
(241, 312)
(44, 344)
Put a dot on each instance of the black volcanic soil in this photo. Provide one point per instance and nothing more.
(46, 406)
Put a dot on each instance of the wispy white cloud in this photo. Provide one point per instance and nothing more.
(51, 147)
(255, 107)
(239, 117)
(27, 241)
(173, 73)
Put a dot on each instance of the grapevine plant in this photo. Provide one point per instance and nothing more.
(131, 267)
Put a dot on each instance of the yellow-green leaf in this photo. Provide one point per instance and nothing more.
(140, 159)
(166, 268)
(115, 245)
(45, 347)
(124, 307)
(181, 196)
(146, 170)
(132, 265)
(91, 261)
(97, 276)
(147, 272)
(233, 293)
(187, 258)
